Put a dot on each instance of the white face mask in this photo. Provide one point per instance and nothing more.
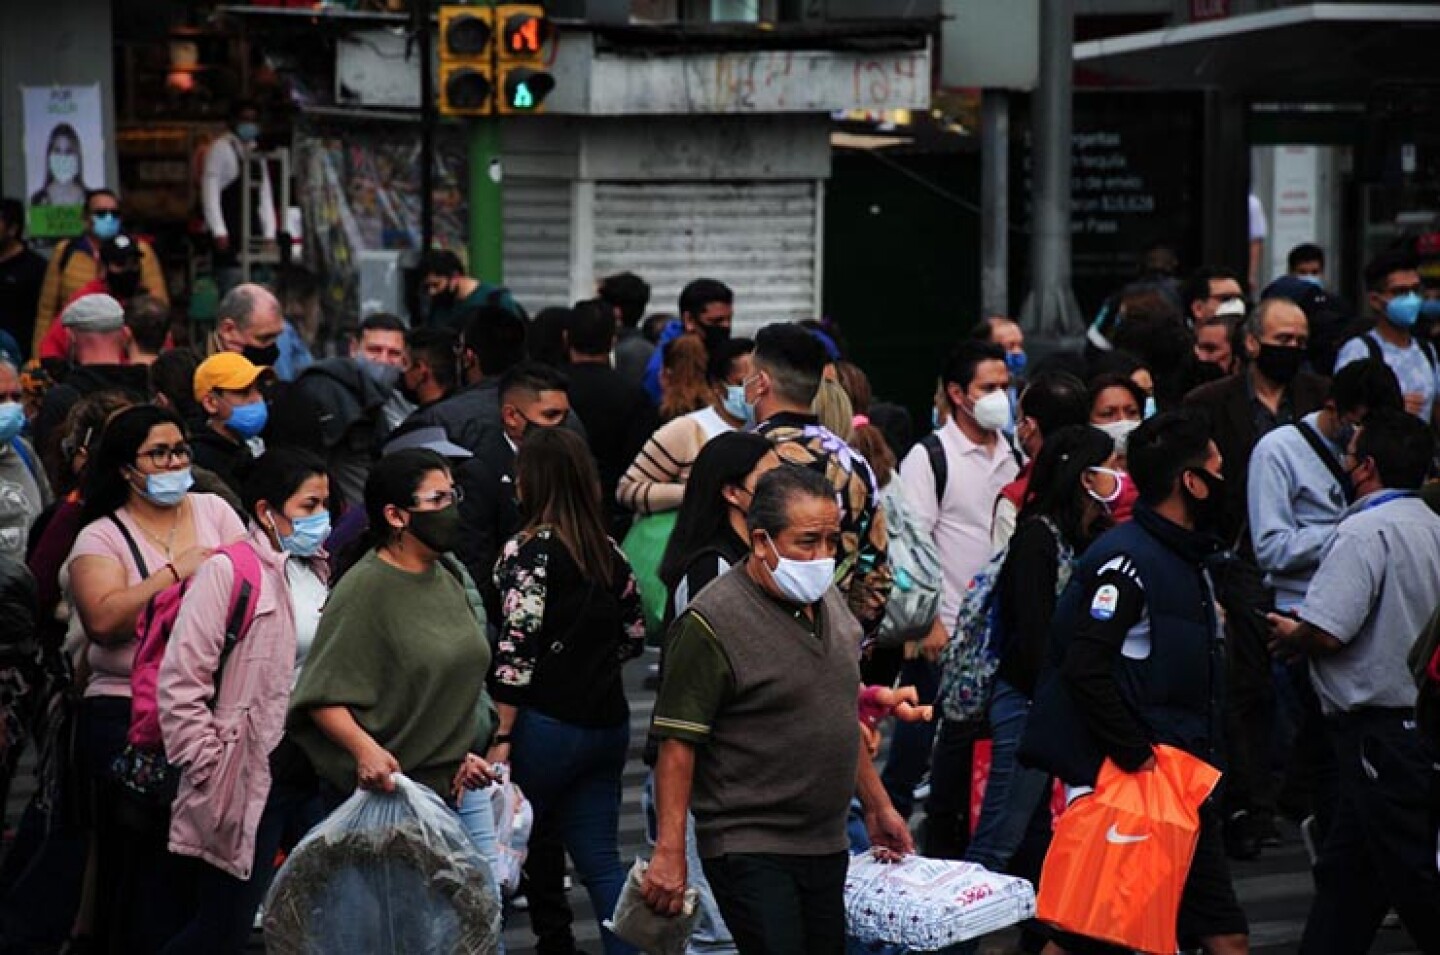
(1119, 432)
(803, 581)
(1114, 495)
(993, 411)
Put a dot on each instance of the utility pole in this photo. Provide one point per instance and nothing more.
(995, 202)
(487, 220)
(421, 29)
(1051, 312)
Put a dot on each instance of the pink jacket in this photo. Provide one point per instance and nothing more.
(226, 752)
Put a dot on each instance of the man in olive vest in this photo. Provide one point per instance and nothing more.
(759, 734)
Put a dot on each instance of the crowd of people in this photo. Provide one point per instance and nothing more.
(436, 553)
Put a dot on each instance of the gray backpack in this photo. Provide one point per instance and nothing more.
(918, 574)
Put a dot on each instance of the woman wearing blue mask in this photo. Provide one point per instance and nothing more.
(240, 796)
(144, 530)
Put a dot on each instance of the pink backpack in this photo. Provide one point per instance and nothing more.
(157, 620)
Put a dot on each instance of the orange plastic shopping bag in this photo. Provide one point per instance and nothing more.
(1120, 856)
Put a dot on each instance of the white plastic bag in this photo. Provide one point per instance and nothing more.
(928, 904)
(635, 922)
(514, 818)
(386, 873)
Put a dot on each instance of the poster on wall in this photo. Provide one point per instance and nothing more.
(64, 156)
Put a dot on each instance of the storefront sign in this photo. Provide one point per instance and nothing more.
(64, 156)
(1294, 216)
(1202, 10)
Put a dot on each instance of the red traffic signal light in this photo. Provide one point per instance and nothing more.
(525, 33)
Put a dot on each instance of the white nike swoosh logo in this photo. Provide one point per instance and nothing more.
(1114, 835)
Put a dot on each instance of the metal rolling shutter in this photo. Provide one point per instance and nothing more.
(537, 241)
(760, 238)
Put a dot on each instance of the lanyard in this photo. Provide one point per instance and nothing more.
(1386, 498)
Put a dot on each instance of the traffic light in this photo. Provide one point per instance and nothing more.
(524, 82)
(467, 68)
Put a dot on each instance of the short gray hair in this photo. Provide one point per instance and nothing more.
(240, 303)
(770, 507)
(1255, 321)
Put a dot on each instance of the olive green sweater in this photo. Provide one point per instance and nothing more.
(407, 654)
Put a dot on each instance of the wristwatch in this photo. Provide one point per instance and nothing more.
(500, 739)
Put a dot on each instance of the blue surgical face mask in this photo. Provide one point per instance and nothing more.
(249, 132)
(12, 421)
(1403, 310)
(64, 167)
(168, 488)
(736, 405)
(248, 420)
(1150, 408)
(1430, 308)
(307, 536)
(935, 421)
(1016, 361)
(1314, 280)
(106, 227)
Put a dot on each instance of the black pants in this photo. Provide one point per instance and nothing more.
(947, 811)
(784, 904)
(550, 913)
(1380, 851)
(1250, 690)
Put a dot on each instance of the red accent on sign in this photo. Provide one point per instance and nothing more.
(1201, 10)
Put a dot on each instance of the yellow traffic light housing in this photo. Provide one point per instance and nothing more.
(520, 58)
(467, 61)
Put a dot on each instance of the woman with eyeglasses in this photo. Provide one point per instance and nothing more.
(1067, 505)
(144, 530)
(395, 681)
(571, 619)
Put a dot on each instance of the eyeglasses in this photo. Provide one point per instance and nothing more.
(440, 499)
(16, 396)
(104, 213)
(162, 455)
(1398, 290)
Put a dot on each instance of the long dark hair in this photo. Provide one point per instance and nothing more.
(723, 462)
(561, 488)
(393, 481)
(106, 487)
(1055, 490)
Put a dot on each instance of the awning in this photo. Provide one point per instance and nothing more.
(1318, 52)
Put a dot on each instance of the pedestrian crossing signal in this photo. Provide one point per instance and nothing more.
(467, 55)
(524, 34)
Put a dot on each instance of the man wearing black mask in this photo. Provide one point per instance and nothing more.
(1136, 655)
(1271, 390)
(707, 309)
(248, 322)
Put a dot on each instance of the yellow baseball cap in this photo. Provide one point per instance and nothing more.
(226, 371)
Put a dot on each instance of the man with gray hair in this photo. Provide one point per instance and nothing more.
(98, 362)
(248, 322)
(1269, 390)
(759, 734)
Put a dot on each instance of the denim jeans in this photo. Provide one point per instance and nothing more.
(477, 816)
(572, 775)
(1013, 792)
(710, 936)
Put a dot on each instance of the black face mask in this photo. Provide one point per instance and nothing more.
(1207, 512)
(443, 300)
(1280, 363)
(437, 530)
(264, 357)
(123, 284)
(714, 336)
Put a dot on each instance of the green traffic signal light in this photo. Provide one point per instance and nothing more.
(527, 89)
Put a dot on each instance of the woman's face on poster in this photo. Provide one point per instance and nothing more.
(64, 158)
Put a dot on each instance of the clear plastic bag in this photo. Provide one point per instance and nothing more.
(635, 922)
(390, 873)
(513, 820)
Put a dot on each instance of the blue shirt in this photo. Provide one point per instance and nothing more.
(1411, 365)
